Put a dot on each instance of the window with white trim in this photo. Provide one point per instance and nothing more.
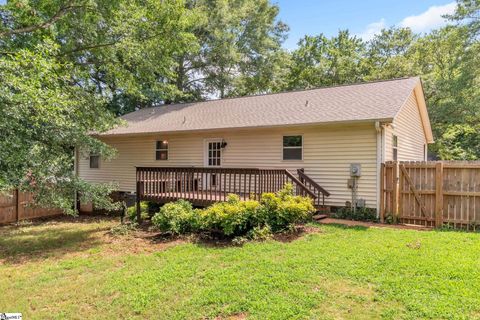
(94, 161)
(161, 150)
(395, 147)
(292, 147)
(214, 153)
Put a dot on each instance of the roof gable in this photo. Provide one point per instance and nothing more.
(359, 102)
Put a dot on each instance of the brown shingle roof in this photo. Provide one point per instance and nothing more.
(359, 102)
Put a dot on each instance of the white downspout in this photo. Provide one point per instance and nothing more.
(380, 158)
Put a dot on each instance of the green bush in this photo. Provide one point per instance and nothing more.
(132, 211)
(176, 217)
(237, 218)
(283, 209)
(232, 218)
(361, 214)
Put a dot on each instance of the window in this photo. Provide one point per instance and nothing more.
(395, 147)
(292, 147)
(94, 161)
(214, 153)
(161, 151)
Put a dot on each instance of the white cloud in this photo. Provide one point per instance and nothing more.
(430, 19)
(372, 29)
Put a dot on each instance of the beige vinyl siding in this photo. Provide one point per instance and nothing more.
(327, 155)
(408, 128)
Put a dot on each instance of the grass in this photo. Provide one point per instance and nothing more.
(72, 269)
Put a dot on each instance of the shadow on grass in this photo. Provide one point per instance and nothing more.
(221, 242)
(346, 227)
(36, 241)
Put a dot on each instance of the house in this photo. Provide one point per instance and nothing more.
(309, 137)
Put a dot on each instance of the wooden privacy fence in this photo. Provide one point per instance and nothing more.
(431, 193)
(15, 206)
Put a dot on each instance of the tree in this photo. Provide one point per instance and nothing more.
(43, 115)
(449, 65)
(237, 42)
(125, 48)
(468, 11)
(390, 55)
(320, 61)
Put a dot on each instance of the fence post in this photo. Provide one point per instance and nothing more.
(395, 193)
(382, 193)
(17, 206)
(438, 194)
(398, 188)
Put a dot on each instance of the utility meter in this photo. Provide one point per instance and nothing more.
(355, 170)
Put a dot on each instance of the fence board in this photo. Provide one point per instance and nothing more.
(16, 206)
(432, 193)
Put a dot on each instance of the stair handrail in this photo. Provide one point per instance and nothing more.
(300, 184)
(312, 182)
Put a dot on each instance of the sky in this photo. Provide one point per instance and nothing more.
(362, 18)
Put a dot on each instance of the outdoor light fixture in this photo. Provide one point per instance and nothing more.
(223, 144)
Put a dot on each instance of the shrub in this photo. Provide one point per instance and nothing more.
(132, 211)
(283, 209)
(237, 218)
(232, 218)
(176, 217)
(361, 214)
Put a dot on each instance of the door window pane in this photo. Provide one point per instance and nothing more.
(214, 154)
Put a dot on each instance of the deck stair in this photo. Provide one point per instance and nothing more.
(318, 217)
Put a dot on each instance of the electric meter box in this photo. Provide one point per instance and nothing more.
(355, 170)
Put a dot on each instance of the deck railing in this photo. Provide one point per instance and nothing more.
(313, 186)
(203, 186)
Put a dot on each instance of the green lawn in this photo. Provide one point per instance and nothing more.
(68, 270)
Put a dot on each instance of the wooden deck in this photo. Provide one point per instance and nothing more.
(204, 186)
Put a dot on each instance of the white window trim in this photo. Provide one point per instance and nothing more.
(282, 147)
(205, 151)
(168, 151)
